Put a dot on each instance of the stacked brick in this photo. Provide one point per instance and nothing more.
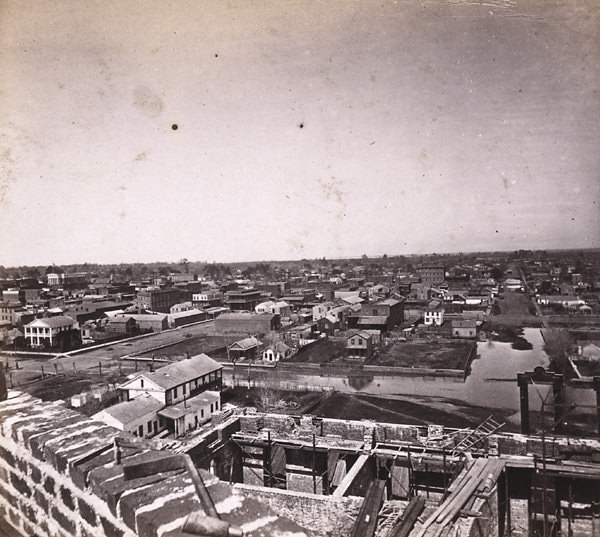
(59, 478)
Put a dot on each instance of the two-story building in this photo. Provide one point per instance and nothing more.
(434, 313)
(48, 332)
(207, 299)
(157, 300)
(360, 345)
(243, 299)
(188, 392)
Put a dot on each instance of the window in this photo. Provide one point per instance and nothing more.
(175, 392)
(149, 426)
(141, 430)
(141, 383)
(184, 389)
(211, 408)
(202, 413)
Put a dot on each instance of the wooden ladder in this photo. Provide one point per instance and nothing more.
(485, 429)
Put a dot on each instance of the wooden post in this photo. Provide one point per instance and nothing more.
(314, 462)
(570, 517)
(524, 399)
(100, 368)
(507, 493)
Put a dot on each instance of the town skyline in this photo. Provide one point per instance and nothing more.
(246, 132)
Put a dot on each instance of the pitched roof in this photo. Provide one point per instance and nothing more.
(189, 405)
(363, 334)
(464, 324)
(175, 374)
(133, 409)
(245, 344)
(53, 322)
(388, 302)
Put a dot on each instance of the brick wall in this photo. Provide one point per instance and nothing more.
(58, 478)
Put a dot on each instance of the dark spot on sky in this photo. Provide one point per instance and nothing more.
(216, 55)
(301, 125)
(174, 126)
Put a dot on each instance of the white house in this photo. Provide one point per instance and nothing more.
(434, 313)
(138, 416)
(264, 307)
(175, 382)
(41, 332)
(191, 413)
(320, 310)
(278, 351)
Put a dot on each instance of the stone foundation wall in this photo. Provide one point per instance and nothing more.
(39, 442)
(327, 516)
(59, 478)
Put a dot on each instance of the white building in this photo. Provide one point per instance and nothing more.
(44, 332)
(138, 416)
(173, 383)
(434, 313)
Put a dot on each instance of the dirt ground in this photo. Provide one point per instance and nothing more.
(514, 312)
(435, 355)
(411, 411)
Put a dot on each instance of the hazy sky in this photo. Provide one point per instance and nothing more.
(304, 128)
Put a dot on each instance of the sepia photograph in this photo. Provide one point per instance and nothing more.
(300, 268)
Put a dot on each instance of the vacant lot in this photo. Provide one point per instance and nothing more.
(434, 355)
(193, 345)
(320, 352)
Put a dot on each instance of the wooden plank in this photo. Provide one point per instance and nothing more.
(332, 460)
(278, 460)
(400, 477)
(366, 522)
(339, 474)
(409, 517)
(351, 475)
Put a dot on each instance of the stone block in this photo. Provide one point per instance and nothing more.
(67, 498)
(7, 456)
(37, 442)
(20, 484)
(28, 511)
(49, 485)
(110, 530)
(41, 500)
(79, 470)
(36, 474)
(87, 512)
(109, 483)
(180, 485)
(14, 518)
(148, 522)
(21, 465)
(64, 520)
(8, 495)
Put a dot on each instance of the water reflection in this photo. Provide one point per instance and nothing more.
(492, 381)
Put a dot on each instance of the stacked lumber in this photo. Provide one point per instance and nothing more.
(477, 481)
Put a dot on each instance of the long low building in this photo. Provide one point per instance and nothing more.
(244, 323)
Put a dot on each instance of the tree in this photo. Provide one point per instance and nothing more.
(557, 345)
